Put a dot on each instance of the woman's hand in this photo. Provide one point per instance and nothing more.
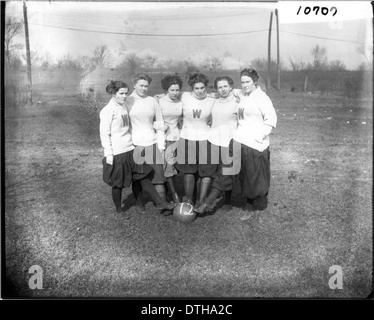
(160, 126)
(263, 133)
(161, 145)
(236, 93)
(213, 95)
(260, 137)
(109, 160)
(158, 96)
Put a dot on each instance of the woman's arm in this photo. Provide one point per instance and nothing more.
(264, 132)
(105, 134)
(269, 118)
(159, 123)
(210, 120)
(159, 126)
(159, 96)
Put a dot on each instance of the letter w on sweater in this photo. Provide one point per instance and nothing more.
(125, 119)
(196, 113)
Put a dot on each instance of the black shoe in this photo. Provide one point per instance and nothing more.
(166, 206)
(123, 213)
(202, 208)
(214, 204)
(166, 213)
(226, 207)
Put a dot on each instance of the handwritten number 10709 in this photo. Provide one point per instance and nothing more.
(316, 9)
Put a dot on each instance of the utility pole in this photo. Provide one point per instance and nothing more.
(28, 54)
(269, 52)
(278, 59)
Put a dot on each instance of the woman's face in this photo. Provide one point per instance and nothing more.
(173, 91)
(141, 87)
(223, 88)
(120, 95)
(248, 84)
(199, 90)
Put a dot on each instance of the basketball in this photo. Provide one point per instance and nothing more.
(183, 212)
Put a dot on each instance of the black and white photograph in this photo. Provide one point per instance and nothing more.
(187, 150)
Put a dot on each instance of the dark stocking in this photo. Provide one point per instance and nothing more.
(204, 187)
(228, 196)
(160, 188)
(137, 192)
(148, 187)
(117, 197)
(189, 186)
(171, 187)
(213, 195)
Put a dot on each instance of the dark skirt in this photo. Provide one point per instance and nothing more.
(197, 157)
(254, 176)
(124, 170)
(152, 156)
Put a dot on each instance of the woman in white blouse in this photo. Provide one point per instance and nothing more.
(194, 149)
(256, 120)
(148, 134)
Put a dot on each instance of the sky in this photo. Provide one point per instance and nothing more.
(237, 31)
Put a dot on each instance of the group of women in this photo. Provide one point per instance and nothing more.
(211, 139)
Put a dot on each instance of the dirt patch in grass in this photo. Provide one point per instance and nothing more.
(59, 213)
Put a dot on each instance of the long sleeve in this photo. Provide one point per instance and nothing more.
(159, 125)
(146, 120)
(115, 133)
(267, 109)
(269, 116)
(159, 120)
(256, 119)
(105, 131)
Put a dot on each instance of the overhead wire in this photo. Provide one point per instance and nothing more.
(193, 35)
(151, 34)
(318, 37)
(194, 16)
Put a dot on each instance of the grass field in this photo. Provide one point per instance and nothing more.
(59, 213)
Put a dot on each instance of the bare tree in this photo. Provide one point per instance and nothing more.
(213, 63)
(68, 62)
(13, 27)
(337, 65)
(101, 55)
(187, 67)
(319, 58)
(85, 62)
(262, 65)
(35, 57)
(367, 52)
(296, 64)
(150, 60)
(168, 64)
(132, 63)
(46, 60)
